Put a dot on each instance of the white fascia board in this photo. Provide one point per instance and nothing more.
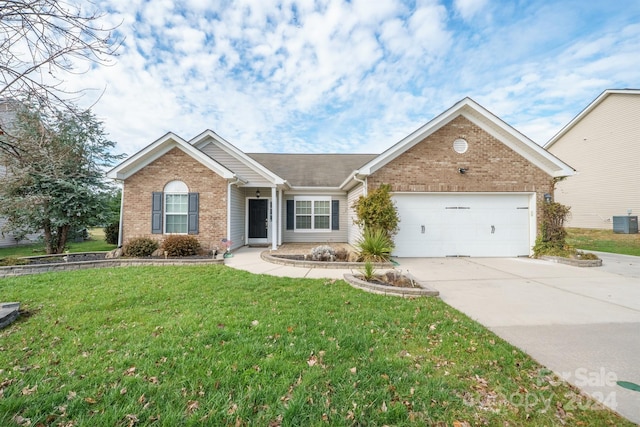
(413, 138)
(355, 178)
(202, 139)
(517, 141)
(157, 149)
(588, 110)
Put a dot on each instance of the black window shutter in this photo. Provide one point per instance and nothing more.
(156, 213)
(291, 214)
(192, 227)
(335, 214)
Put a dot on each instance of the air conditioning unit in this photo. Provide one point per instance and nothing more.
(625, 224)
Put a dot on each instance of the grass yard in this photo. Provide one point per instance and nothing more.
(96, 243)
(197, 345)
(604, 241)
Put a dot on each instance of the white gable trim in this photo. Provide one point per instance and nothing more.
(588, 110)
(205, 137)
(159, 148)
(480, 116)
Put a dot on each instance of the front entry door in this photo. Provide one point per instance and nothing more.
(259, 220)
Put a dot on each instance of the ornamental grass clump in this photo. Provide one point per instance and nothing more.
(375, 245)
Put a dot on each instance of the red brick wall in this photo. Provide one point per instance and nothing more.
(176, 165)
(432, 166)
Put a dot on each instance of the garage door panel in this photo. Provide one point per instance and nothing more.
(436, 225)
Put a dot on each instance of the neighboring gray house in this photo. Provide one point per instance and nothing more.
(603, 144)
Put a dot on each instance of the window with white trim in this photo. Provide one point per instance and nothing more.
(313, 214)
(176, 208)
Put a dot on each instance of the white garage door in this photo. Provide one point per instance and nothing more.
(480, 225)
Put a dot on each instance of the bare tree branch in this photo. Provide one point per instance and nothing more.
(42, 41)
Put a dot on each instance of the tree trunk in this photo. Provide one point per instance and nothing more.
(62, 238)
(48, 244)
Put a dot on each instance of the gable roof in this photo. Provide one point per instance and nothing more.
(240, 159)
(588, 110)
(313, 170)
(159, 148)
(486, 120)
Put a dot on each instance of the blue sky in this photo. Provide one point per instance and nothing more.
(354, 76)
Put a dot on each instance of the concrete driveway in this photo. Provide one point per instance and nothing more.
(582, 323)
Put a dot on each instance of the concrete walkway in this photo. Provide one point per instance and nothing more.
(582, 323)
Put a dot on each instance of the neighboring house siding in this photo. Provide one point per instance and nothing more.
(237, 216)
(233, 164)
(604, 148)
(176, 165)
(432, 166)
(354, 231)
(292, 236)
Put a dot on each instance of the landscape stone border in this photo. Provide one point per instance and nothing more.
(22, 270)
(574, 262)
(269, 257)
(423, 289)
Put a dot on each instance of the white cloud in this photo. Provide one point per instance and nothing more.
(469, 8)
(351, 76)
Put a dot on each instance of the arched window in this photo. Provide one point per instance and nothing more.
(174, 210)
(176, 207)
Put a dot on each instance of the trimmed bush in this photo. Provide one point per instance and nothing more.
(179, 245)
(140, 247)
(111, 232)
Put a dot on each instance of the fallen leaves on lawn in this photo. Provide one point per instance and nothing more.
(192, 406)
(26, 391)
(21, 421)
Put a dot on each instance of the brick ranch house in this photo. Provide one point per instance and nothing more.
(465, 184)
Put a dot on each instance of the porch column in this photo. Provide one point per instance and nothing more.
(280, 193)
(274, 219)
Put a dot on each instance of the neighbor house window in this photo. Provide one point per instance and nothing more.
(313, 214)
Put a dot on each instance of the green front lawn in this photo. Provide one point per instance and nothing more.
(96, 243)
(604, 241)
(210, 345)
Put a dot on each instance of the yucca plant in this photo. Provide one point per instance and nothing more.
(368, 271)
(375, 245)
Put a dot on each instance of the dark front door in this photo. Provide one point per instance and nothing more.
(258, 218)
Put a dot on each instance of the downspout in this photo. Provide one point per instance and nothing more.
(363, 182)
(121, 216)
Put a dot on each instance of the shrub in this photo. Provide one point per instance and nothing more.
(378, 211)
(140, 247)
(551, 240)
(179, 245)
(111, 232)
(342, 254)
(375, 245)
(12, 260)
(323, 253)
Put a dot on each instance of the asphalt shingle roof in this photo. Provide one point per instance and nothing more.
(312, 170)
